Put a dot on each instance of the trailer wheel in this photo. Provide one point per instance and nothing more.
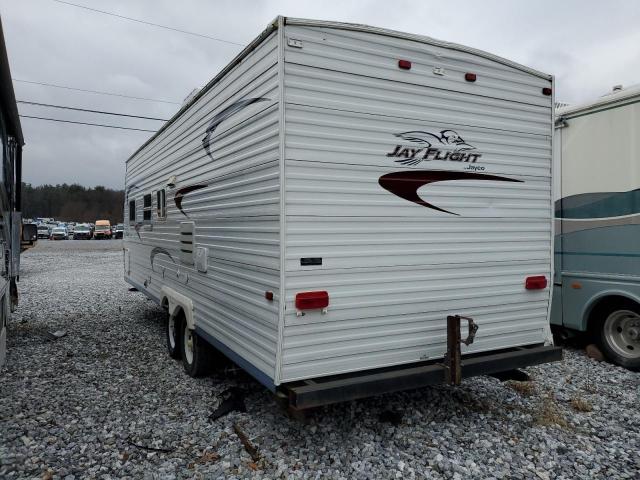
(173, 330)
(196, 353)
(619, 335)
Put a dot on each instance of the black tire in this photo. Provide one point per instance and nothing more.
(196, 359)
(173, 334)
(618, 334)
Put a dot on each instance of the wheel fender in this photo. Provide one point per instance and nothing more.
(179, 301)
(594, 300)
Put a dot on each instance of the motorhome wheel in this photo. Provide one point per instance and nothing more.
(620, 337)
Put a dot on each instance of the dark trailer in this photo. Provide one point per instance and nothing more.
(10, 192)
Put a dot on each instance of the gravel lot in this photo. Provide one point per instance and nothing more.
(73, 407)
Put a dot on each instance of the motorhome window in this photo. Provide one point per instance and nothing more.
(146, 204)
(161, 203)
(132, 210)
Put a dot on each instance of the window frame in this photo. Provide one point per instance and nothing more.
(147, 208)
(161, 204)
(132, 203)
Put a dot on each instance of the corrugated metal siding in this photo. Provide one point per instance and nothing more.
(236, 215)
(394, 269)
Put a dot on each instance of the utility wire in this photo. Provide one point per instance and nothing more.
(94, 91)
(90, 111)
(91, 124)
(149, 23)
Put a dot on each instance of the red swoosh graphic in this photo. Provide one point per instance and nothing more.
(406, 184)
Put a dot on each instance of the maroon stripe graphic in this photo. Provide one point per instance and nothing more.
(182, 192)
(406, 184)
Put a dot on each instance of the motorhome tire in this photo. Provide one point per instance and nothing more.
(196, 353)
(173, 330)
(619, 335)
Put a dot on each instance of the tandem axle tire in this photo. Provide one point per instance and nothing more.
(173, 332)
(197, 357)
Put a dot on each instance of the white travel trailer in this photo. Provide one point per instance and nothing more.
(597, 271)
(322, 206)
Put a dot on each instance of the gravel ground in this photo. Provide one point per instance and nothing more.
(73, 407)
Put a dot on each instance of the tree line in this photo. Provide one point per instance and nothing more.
(72, 203)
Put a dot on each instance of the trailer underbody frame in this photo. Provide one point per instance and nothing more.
(340, 388)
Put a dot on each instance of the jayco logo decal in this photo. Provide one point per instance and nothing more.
(447, 145)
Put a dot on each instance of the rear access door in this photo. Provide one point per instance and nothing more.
(418, 185)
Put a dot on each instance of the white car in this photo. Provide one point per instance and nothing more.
(59, 233)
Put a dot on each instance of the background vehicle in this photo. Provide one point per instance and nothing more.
(119, 231)
(102, 230)
(44, 231)
(597, 253)
(82, 232)
(303, 250)
(12, 141)
(59, 233)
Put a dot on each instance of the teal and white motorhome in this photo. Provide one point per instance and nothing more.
(597, 249)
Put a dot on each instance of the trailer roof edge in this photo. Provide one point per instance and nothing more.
(237, 59)
(415, 37)
(606, 101)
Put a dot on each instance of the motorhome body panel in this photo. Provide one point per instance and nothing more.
(597, 206)
(394, 268)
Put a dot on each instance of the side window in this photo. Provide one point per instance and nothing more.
(161, 204)
(132, 210)
(146, 207)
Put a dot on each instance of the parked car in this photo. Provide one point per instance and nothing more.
(59, 233)
(119, 231)
(102, 230)
(82, 232)
(44, 231)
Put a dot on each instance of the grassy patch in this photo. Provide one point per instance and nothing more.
(581, 405)
(549, 413)
(525, 389)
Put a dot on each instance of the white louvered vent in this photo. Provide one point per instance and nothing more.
(187, 234)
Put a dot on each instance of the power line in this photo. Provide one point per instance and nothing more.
(91, 124)
(94, 91)
(90, 111)
(149, 23)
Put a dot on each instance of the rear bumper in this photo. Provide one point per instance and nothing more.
(340, 388)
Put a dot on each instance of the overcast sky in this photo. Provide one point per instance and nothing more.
(588, 45)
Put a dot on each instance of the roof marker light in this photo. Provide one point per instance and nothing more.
(546, 91)
(404, 64)
(470, 77)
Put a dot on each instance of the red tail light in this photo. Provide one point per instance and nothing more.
(470, 77)
(538, 282)
(546, 91)
(312, 300)
(404, 64)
